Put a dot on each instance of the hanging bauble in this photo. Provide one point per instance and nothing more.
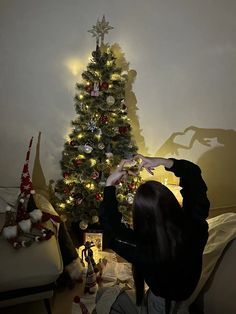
(81, 106)
(115, 130)
(87, 149)
(91, 125)
(65, 175)
(95, 174)
(88, 88)
(110, 100)
(131, 186)
(72, 143)
(95, 219)
(98, 196)
(101, 146)
(78, 162)
(83, 225)
(104, 119)
(66, 191)
(95, 89)
(124, 129)
(109, 154)
(130, 198)
(120, 197)
(104, 85)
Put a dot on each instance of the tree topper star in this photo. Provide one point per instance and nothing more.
(100, 29)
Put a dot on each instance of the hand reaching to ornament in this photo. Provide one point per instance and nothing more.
(150, 163)
(121, 172)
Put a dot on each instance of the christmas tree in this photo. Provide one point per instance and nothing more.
(100, 138)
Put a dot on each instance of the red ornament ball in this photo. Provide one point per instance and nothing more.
(104, 85)
(98, 196)
(88, 88)
(104, 119)
(78, 162)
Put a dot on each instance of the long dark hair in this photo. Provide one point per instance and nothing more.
(157, 223)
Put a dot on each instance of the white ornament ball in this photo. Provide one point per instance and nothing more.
(87, 149)
(110, 100)
(101, 146)
(130, 198)
(95, 219)
(83, 225)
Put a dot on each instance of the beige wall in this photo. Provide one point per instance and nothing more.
(182, 69)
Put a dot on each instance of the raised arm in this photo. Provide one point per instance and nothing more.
(117, 236)
(194, 189)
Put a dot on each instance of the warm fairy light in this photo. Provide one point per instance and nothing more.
(109, 62)
(81, 96)
(87, 83)
(62, 205)
(68, 201)
(68, 181)
(80, 135)
(110, 85)
(108, 161)
(93, 162)
(90, 186)
(97, 72)
(80, 156)
(86, 106)
(115, 76)
(98, 136)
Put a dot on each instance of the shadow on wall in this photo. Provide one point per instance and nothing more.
(214, 150)
(130, 98)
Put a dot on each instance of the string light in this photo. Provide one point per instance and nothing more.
(80, 135)
(62, 205)
(93, 162)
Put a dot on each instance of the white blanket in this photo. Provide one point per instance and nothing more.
(222, 230)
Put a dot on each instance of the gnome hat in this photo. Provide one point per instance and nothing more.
(91, 280)
(26, 186)
(26, 189)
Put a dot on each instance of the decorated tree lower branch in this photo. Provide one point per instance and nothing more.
(101, 136)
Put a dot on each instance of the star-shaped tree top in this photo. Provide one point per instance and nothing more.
(100, 29)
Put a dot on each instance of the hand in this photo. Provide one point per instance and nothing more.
(150, 163)
(118, 173)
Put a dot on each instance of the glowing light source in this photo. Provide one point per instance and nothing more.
(75, 66)
(62, 205)
(93, 162)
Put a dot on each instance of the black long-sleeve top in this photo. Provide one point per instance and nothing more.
(178, 279)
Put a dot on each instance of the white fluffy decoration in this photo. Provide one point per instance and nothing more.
(36, 215)
(25, 225)
(9, 232)
(75, 269)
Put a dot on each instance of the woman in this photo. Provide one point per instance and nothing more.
(167, 241)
